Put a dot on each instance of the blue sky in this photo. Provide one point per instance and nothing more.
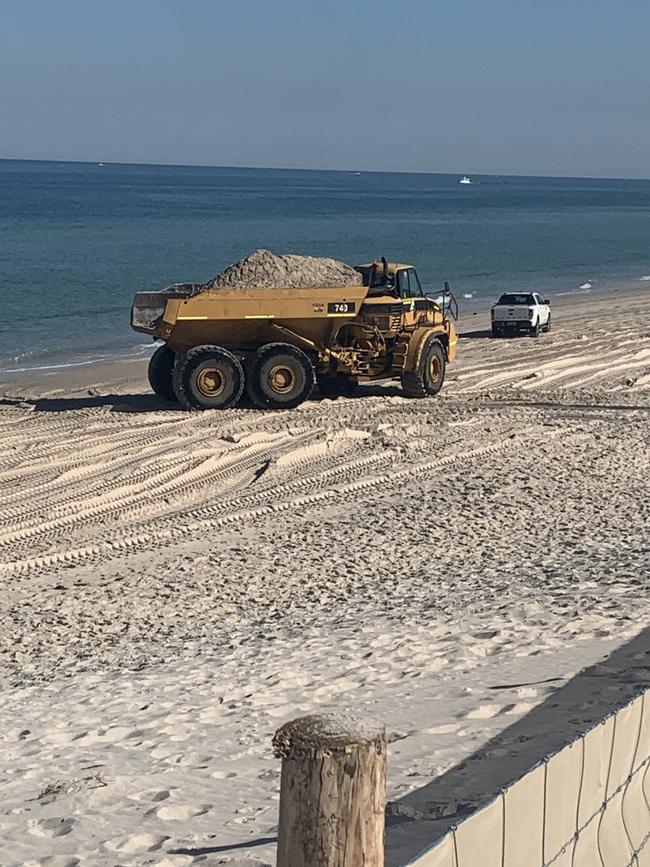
(409, 85)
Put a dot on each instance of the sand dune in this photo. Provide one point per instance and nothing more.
(176, 585)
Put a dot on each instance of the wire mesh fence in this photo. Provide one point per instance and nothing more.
(587, 805)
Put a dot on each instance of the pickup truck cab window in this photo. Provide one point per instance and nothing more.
(512, 299)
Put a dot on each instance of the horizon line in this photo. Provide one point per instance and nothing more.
(95, 162)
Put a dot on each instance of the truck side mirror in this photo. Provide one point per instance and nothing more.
(546, 301)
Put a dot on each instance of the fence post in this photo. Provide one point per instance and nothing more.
(332, 793)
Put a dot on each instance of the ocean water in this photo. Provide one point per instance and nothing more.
(78, 239)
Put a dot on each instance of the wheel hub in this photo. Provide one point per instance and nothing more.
(210, 381)
(434, 368)
(281, 379)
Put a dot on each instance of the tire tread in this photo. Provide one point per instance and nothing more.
(256, 396)
(184, 360)
(160, 372)
(414, 382)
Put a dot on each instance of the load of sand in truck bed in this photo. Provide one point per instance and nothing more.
(265, 270)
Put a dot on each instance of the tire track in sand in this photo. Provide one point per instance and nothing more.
(219, 516)
(132, 503)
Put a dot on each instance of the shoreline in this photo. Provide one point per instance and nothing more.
(79, 373)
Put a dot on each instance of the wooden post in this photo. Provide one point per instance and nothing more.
(333, 792)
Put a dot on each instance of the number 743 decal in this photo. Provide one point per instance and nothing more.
(340, 308)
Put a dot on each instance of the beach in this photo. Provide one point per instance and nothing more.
(82, 238)
(177, 585)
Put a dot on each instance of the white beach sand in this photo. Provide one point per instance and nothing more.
(472, 569)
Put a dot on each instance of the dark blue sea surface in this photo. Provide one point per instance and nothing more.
(78, 239)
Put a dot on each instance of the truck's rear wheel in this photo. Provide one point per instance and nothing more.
(279, 376)
(430, 373)
(208, 377)
(338, 385)
(161, 366)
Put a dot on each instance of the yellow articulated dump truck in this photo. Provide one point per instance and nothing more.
(275, 344)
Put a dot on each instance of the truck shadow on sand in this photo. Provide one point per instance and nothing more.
(480, 334)
(116, 402)
(421, 817)
(145, 403)
(486, 334)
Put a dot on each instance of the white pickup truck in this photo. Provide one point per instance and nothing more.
(521, 311)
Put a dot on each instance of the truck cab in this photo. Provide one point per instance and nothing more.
(397, 303)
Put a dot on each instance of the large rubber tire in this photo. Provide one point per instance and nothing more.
(161, 366)
(430, 373)
(338, 385)
(208, 377)
(279, 376)
(547, 327)
(535, 329)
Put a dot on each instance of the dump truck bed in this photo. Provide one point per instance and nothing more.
(237, 318)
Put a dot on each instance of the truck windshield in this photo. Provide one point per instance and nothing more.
(512, 299)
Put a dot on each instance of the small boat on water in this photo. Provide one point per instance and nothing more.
(464, 180)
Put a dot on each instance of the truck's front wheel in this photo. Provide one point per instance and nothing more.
(279, 376)
(429, 375)
(208, 377)
(161, 366)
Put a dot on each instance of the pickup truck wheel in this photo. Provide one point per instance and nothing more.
(279, 376)
(161, 366)
(430, 373)
(338, 385)
(208, 377)
(547, 327)
(535, 329)
(496, 331)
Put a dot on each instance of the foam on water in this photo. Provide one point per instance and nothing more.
(81, 242)
(136, 351)
(60, 366)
